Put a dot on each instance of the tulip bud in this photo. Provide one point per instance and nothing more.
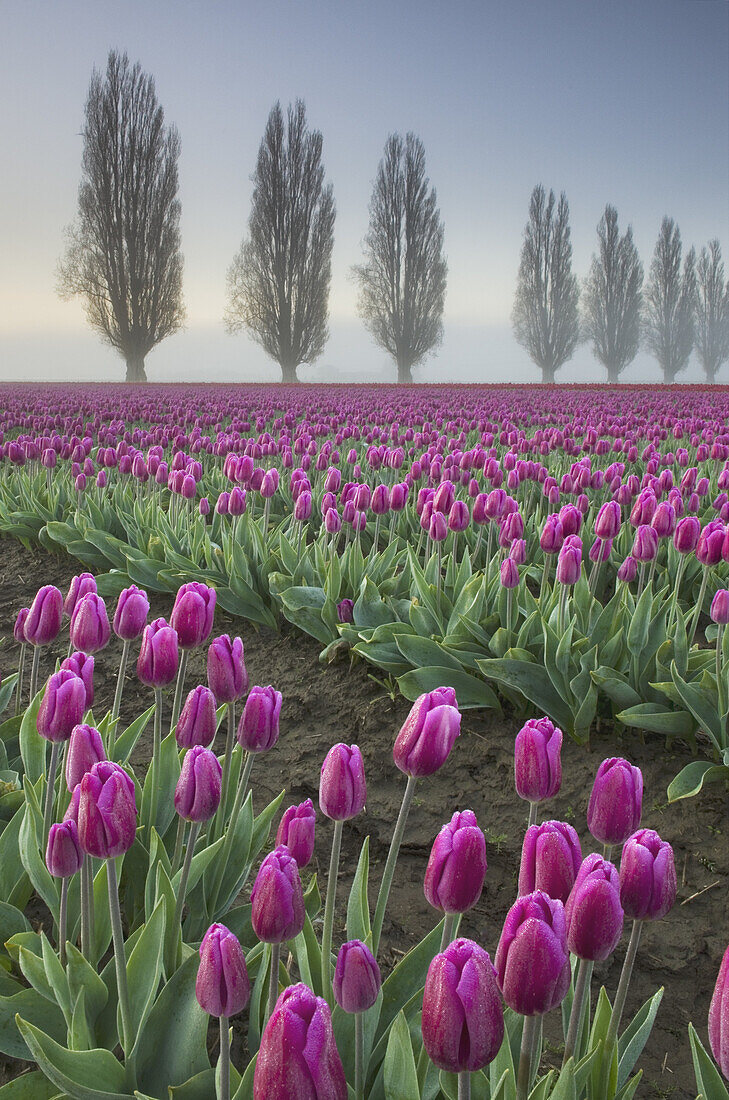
(197, 722)
(616, 801)
(686, 535)
(158, 656)
(552, 535)
(197, 794)
(569, 563)
(607, 523)
(192, 614)
(357, 978)
(719, 1017)
(277, 898)
(647, 876)
(43, 621)
(227, 675)
(463, 1021)
(537, 760)
(428, 733)
(345, 611)
(709, 546)
(258, 726)
(457, 866)
(131, 613)
(719, 612)
(438, 529)
(63, 852)
(645, 544)
(222, 986)
(19, 627)
(550, 859)
(298, 1055)
(509, 573)
(593, 910)
(90, 630)
(628, 570)
(342, 785)
(107, 811)
(296, 831)
(83, 665)
(62, 705)
(85, 748)
(532, 964)
(80, 586)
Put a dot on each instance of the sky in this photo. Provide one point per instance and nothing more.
(607, 100)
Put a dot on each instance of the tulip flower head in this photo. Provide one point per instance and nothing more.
(197, 794)
(593, 910)
(227, 675)
(43, 621)
(107, 811)
(298, 1055)
(647, 876)
(719, 1017)
(198, 721)
(90, 629)
(457, 866)
(83, 665)
(532, 963)
(357, 978)
(63, 851)
(296, 831)
(342, 784)
(463, 1021)
(277, 899)
(616, 801)
(85, 748)
(158, 655)
(222, 986)
(192, 614)
(258, 728)
(537, 760)
(551, 856)
(62, 705)
(130, 617)
(428, 733)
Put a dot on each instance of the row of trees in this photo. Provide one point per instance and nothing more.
(681, 307)
(123, 256)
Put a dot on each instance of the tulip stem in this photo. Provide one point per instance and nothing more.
(622, 992)
(697, 608)
(582, 984)
(389, 871)
(273, 981)
(545, 575)
(62, 920)
(533, 810)
(676, 586)
(85, 907)
(525, 1058)
(34, 673)
(439, 554)
(229, 836)
(19, 685)
(224, 1061)
(181, 822)
(326, 937)
(719, 683)
(48, 806)
(184, 875)
(118, 695)
(219, 821)
(464, 1085)
(358, 1056)
(119, 960)
(177, 702)
(449, 921)
(156, 751)
(562, 609)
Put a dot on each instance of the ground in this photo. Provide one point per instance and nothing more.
(339, 702)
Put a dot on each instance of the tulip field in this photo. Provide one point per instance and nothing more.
(364, 742)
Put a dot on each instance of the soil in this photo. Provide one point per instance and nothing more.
(345, 702)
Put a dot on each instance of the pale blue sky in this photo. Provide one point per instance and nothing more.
(609, 100)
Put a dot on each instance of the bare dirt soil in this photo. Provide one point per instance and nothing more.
(342, 702)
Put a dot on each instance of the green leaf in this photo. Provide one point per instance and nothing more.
(172, 1045)
(635, 1037)
(565, 1088)
(358, 911)
(369, 609)
(31, 1086)
(11, 921)
(708, 1078)
(640, 623)
(38, 873)
(401, 1078)
(616, 687)
(470, 691)
(701, 700)
(33, 1006)
(71, 1070)
(658, 719)
(691, 779)
(126, 741)
(166, 781)
(32, 745)
(82, 976)
(15, 886)
(144, 969)
(425, 652)
(408, 977)
(533, 681)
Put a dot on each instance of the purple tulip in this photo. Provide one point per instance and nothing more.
(616, 801)
(19, 627)
(428, 733)
(43, 621)
(345, 611)
(63, 852)
(222, 986)
(532, 964)
(357, 977)
(83, 665)
(296, 831)
(130, 616)
(192, 614)
(593, 910)
(342, 785)
(569, 562)
(158, 655)
(537, 760)
(457, 866)
(80, 586)
(552, 535)
(62, 705)
(107, 811)
(90, 630)
(227, 675)
(197, 794)
(709, 546)
(509, 573)
(438, 528)
(463, 1021)
(607, 523)
(258, 726)
(197, 722)
(298, 1055)
(277, 898)
(458, 516)
(550, 859)
(628, 570)
(719, 612)
(645, 544)
(647, 876)
(686, 535)
(85, 748)
(719, 1017)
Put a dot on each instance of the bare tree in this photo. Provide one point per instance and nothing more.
(278, 284)
(670, 303)
(123, 253)
(712, 313)
(403, 279)
(612, 297)
(545, 316)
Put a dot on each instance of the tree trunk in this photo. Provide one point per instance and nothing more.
(135, 369)
(613, 373)
(288, 373)
(710, 375)
(404, 373)
(669, 376)
(547, 376)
